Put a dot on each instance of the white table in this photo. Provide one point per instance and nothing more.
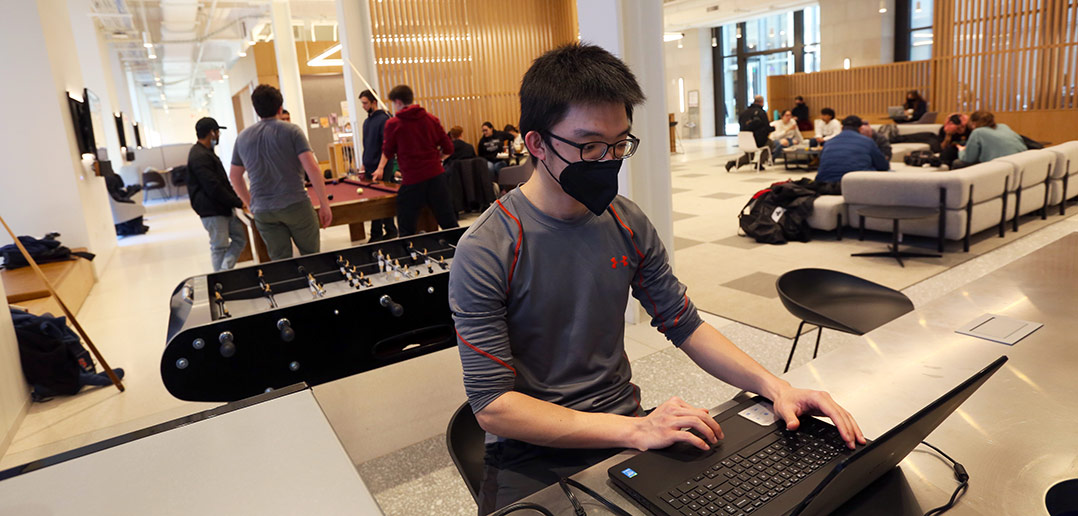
(276, 456)
(1016, 435)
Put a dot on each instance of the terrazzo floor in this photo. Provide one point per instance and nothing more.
(417, 479)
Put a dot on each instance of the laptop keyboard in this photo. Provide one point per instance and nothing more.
(744, 482)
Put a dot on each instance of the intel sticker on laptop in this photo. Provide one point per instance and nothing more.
(628, 472)
(760, 413)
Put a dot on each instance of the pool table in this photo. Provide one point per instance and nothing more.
(378, 201)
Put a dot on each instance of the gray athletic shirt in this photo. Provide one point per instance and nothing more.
(270, 150)
(539, 303)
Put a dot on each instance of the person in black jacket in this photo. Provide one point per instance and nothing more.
(213, 198)
(492, 143)
(754, 119)
(801, 113)
(915, 107)
(374, 128)
(461, 148)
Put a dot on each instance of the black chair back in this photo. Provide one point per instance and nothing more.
(465, 440)
(840, 301)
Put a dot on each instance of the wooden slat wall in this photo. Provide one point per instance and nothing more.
(865, 91)
(464, 58)
(1016, 58)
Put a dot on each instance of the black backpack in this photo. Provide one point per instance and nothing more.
(51, 354)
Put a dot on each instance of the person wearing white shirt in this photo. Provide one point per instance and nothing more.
(784, 133)
(826, 126)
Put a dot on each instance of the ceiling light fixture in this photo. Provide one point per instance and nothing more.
(883, 6)
(672, 36)
(714, 42)
(151, 54)
(146, 40)
(917, 9)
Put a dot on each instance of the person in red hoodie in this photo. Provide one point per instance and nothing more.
(419, 142)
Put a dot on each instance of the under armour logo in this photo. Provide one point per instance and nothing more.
(614, 261)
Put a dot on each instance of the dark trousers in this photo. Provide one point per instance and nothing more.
(383, 228)
(434, 193)
(516, 469)
(949, 155)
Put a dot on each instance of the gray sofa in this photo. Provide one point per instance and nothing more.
(970, 199)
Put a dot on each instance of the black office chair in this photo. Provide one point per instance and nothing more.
(152, 180)
(839, 301)
(465, 440)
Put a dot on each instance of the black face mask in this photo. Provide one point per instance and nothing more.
(592, 183)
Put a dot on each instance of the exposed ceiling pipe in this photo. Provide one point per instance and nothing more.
(201, 48)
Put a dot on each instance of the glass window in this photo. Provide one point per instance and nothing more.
(921, 14)
(921, 44)
(812, 58)
(729, 83)
(729, 39)
(812, 25)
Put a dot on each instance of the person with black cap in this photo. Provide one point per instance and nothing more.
(213, 198)
(849, 151)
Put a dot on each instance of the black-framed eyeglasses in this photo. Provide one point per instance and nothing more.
(595, 151)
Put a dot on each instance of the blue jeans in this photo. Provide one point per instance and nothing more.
(222, 229)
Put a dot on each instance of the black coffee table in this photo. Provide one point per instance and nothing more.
(897, 213)
(802, 157)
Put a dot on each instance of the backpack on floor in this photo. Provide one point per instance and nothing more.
(51, 354)
(759, 218)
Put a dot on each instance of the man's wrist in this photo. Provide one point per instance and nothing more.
(773, 386)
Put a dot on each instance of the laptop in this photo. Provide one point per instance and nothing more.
(896, 112)
(766, 470)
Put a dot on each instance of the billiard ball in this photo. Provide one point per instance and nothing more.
(359, 190)
(330, 197)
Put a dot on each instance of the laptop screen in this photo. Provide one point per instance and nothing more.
(866, 465)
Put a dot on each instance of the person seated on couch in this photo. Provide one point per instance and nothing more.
(784, 133)
(801, 114)
(915, 107)
(849, 151)
(881, 141)
(987, 141)
(955, 132)
(826, 126)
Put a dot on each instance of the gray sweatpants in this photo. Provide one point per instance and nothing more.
(279, 228)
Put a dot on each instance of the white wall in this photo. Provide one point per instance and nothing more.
(40, 151)
(691, 63)
(177, 125)
(855, 29)
(14, 393)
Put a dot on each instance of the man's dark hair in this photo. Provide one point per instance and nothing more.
(799, 97)
(369, 95)
(983, 119)
(402, 93)
(285, 112)
(488, 124)
(851, 122)
(574, 74)
(509, 128)
(828, 111)
(267, 100)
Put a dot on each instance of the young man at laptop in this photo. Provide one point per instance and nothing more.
(539, 288)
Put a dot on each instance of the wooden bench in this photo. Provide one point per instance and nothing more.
(72, 280)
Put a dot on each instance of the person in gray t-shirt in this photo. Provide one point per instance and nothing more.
(539, 286)
(275, 154)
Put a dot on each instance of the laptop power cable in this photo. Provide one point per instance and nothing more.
(522, 506)
(959, 474)
(578, 509)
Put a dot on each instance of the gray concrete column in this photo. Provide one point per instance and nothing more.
(360, 72)
(284, 45)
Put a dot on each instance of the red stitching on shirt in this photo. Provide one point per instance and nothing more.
(639, 273)
(686, 307)
(516, 252)
(484, 353)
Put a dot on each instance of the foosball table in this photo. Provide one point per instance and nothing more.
(314, 319)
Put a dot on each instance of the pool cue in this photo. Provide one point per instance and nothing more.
(70, 316)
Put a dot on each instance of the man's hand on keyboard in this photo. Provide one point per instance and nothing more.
(792, 402)
(663, 427)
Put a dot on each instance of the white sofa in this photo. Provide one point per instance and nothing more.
(970, 199)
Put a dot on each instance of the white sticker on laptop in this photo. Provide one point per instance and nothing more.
(760, 413)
